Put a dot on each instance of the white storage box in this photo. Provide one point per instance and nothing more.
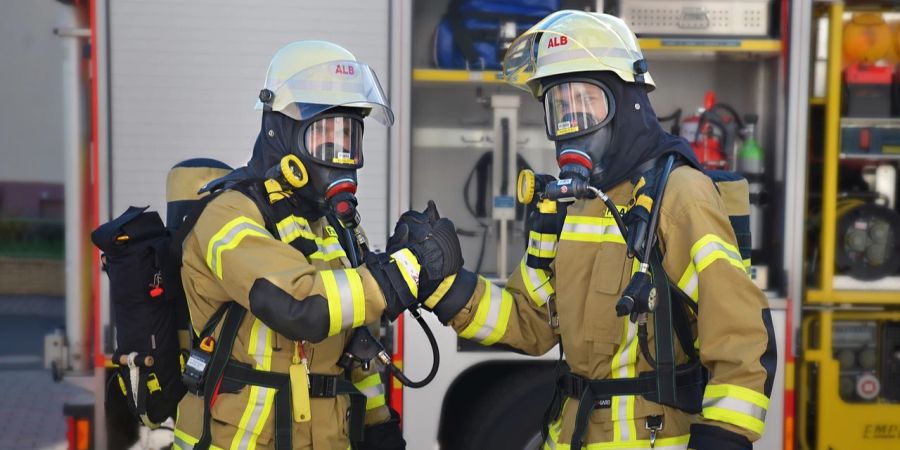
(697, 17)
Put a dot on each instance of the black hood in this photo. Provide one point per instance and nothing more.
(637, 136)
(279, 136)
(269, 150)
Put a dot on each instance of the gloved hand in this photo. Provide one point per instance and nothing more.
(422, 252)
(398, 295)
(384, 436)
(709, 437)
(544, 224)
(433, 242)
(413, 227)
(637, 219)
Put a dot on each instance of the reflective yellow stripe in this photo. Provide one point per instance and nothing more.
(228, 237)
(409, 269)
(704, 252)
(747, 265)
(260, 401)
(555, 429)
(329, 249)
(359, 299)
(346, 303)
(736, 405)
(439, 293)
(623, 366)
(294, 227)
(541, 245)
(373, 389)
(184, 441)
(333, 295)
(491, 316)
(591, 229)
(671, 443)
(537, 283)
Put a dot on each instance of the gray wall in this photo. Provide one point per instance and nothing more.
(184, 76)
(30, 90)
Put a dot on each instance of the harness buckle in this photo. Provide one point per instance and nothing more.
(323, 386)
(654, 424)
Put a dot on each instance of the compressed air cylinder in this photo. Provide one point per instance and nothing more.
(751, 164)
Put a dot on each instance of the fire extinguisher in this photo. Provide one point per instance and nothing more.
(712, 133)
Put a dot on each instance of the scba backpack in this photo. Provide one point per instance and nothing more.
(149, 308)
(474, 34)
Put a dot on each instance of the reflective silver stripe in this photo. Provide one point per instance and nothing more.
(225, 240)
(588, 228)
(263, 362)
(581, 52)
(294, 228)
(493, 313)
(737, 405)
(542, 289)
(349, 87)
(346, 295)
(542, 246)
(374, 391)
(691, 285)
(550, 443)
(625, 363)
(258, 408)
(330, 248)
(182, 444)
(712, 247)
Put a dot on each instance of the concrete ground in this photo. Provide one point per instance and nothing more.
(31, 402)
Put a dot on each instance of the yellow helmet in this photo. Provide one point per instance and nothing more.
(572, 41)
(306, 78)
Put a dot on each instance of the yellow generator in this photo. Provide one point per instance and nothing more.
(849, 381)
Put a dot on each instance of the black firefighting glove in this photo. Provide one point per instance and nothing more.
(413, 226)
(423, 251)
(709, 437)
(384, 436)
(544, 224)
(434, 243)
(637, 219)
(397, 294)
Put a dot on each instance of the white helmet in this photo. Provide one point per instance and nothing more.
(306, 78)
(574, 41)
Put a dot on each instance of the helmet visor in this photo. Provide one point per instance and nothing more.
(567, 42)
(329, 85)
(575, 108)
(335, 141)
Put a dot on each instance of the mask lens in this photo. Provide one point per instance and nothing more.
(574, 107)
(335, 141)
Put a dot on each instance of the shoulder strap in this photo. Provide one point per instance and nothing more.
(234, 314)
(662, 323)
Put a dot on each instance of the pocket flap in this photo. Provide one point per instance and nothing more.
(232, 409)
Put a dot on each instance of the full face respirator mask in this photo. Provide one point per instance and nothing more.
(324, 167)
(576, 114)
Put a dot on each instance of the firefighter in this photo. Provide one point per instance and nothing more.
(590, 74)
(271, 274)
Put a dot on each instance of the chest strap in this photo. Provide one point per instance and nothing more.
(238, 375)
(228, 375)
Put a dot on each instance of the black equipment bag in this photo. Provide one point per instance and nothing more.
(134, 247)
